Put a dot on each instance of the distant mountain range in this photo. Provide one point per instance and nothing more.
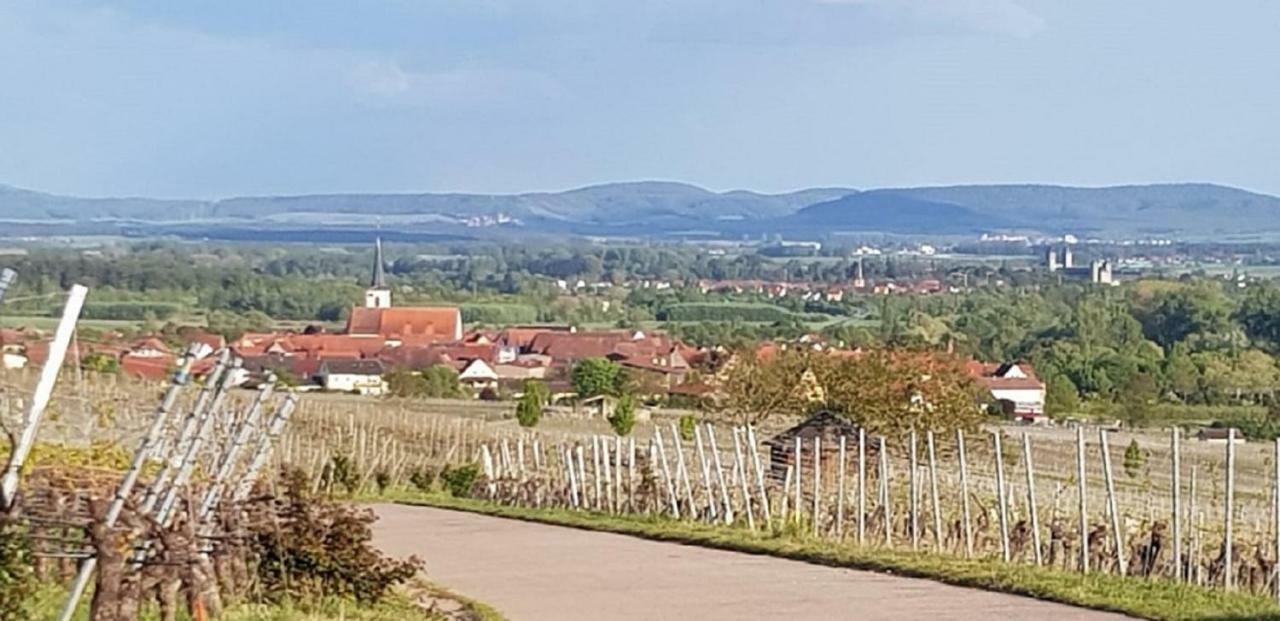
(671, 209)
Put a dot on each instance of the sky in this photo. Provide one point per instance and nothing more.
(238, 97)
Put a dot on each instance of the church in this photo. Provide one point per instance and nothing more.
(380, 318)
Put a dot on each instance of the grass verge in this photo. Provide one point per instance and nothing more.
(403, 605)
(1146, 598)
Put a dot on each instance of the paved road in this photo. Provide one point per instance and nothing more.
(534, 572)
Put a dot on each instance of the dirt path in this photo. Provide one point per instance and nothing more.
(538, 572)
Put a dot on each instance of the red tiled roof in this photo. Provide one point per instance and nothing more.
(441, 323)
(147, 367)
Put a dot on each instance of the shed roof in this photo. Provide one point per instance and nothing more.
(825, 424)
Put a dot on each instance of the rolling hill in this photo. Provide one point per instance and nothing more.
(666, 208)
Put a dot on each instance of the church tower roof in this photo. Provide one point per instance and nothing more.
(379, 279)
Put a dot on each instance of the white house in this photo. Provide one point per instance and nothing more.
(1013, 383)
(478, 375)
(359, 376)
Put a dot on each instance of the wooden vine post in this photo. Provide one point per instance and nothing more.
(1082, 488)
(933, 492)
(1116, 532)
(1031, 497)
(1176, 509)
(965, 515)
(755, 459)
(862, 486)
(1002, 499)
(1228, 564)
(843, 465)
(913, 504)
(817, 483)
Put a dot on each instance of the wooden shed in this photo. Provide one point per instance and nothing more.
(827, 428)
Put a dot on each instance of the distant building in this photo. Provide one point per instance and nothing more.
(359, 376)
(1062, 262)
(378, 318)
(1014, 385)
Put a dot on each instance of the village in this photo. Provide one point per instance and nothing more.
(490, 363)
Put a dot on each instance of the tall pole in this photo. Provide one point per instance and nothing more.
(965, 516)
(755, 459)
(1176, 484)
(44, 391)
(130, 479)
(262, 453)
(1031, 497)
(232, 457)
(1228, 564)
(1082, 487)
(1001, 498)
(1112, 506)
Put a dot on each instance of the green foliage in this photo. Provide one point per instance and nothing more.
(423, 478)
(688, 425)
(17, 578)
(340, 471)
(598, 376)
(437, 382)
(498, 314)
(541, 393)
(320, 548)
(623, 418)
(1062, 398)
(529, 410)
(1134, 459)
(99, 362)
(724, 311)
(135, 311)
(460, 480)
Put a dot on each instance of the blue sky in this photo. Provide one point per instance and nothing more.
(209, 99)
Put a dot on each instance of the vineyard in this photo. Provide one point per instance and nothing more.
(121, 498)
(1056, 497)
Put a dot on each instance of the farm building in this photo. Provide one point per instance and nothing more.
(827, 427)
(360, 376)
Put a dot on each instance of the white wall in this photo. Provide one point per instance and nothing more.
(345, 382)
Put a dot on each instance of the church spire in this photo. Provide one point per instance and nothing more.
(379, 280)
(377, 295)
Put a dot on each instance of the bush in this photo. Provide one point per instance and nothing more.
(623, 418)
(461, 479)
(688, 423)
(528, 410)
(319, 548)
(423, 479)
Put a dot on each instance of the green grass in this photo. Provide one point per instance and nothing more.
(399, 607)
(49, 323)
(1150, 599)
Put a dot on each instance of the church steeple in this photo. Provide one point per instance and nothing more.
(378, 295)
(379, 280)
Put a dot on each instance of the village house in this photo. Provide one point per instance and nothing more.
(355, 376)
(1014, 385)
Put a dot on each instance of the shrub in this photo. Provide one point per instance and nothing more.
(623, 418)
(320, 548)
(461, 479)
(424, 479)
(528, 410)
(1133, 459)
(687, 425)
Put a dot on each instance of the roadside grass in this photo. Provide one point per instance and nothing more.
(400, 606)
(1158, 599)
